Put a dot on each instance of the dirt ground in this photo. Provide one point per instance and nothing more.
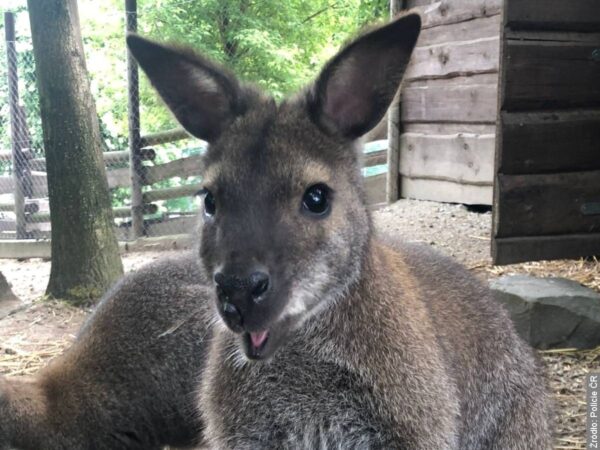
(40, 329)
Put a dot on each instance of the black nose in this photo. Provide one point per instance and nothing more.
(233, 286)
(238, 296)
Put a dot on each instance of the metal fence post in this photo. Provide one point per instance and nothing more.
(135, 161)
(18, 159)
(392, 191)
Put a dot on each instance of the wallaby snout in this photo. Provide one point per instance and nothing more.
(238, 295)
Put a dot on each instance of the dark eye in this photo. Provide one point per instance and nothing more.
(209, 203)
(316, 199)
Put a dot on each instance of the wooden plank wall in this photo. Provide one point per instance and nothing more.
(547, 203)
(449, 103)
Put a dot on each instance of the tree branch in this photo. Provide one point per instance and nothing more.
(321, 11)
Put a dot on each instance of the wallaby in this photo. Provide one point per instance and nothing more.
(329, 339)
(130, 379)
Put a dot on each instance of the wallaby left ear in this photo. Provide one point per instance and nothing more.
(354, 90)
(203, 96)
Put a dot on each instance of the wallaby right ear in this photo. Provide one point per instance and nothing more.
(204, 97)
(354, 90)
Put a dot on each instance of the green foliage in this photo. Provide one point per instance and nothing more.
(278, 45)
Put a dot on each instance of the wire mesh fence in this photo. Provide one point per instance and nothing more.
(167, 164)
(153, 168)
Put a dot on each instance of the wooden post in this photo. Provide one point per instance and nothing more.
(13, 98)
(135, 161)
(392, 191)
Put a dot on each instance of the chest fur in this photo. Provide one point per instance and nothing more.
(268, 405)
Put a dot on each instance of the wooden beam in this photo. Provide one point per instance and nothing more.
(38, 164)
(375, 159)
(121, 212)
(559, 15)
(116, 178)
(374, 146)
(556, 71)
(462, 158)
(538, 205)
(413, 3)
(30, 206)
(534, 248)
(461, 58)
(460, 100)
(483, 27)
(375, 188)
(116, 157)
(449, 128)
(39, 184)
(446, 12)
(24, 248)
(10, 226)
(172, 225)
(444, 190)
(124, 211)
(161, 243)
(172, 192)
(29, 248)
(6, 155)
(184, 167)
(164, 137)
(146, 154)
(557, 141)
(110, 158)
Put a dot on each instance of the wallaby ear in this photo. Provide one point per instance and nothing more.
(354, 90)
(204, 97)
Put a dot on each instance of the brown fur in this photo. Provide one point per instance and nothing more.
(128, 381)
(367, 348)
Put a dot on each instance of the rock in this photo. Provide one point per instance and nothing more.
(551, 312)
(5, 292)
(8, 301)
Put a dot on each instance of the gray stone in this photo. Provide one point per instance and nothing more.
(551, 312)
(8, 301)
(5, 292)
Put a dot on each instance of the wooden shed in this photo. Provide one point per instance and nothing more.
(501, 106)
(450, 102)
(547, 196)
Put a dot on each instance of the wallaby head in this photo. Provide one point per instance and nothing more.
(285, 225)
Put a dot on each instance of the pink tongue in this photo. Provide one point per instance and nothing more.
(258, 338)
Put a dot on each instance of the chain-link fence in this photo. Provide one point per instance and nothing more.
(166, 172)
(166, 165)
(20, 183)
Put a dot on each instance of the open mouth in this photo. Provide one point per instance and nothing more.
(256, 342)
